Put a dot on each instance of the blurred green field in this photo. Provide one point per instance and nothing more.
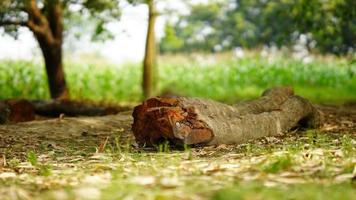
(221, 77)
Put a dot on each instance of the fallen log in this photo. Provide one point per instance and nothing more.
(185, 120)
(21, 110)
(16, 110)
(53, 108)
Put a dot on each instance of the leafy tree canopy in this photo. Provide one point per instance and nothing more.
(222, 25)
(15, 13)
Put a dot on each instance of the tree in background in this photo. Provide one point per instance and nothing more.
(149, 61)
(45, 19)
(197, 31)
(332, 23)
(224, 25)
(170, 43)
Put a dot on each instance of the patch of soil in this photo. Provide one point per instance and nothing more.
(339, 119)
(63, 133)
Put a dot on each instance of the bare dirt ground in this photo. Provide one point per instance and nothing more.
(71, 158)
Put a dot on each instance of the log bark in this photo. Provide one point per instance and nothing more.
(21, 110)
(189, 121)
(53, 108)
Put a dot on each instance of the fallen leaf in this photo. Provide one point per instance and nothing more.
(170, 182)
(6, 175)
(89, 193)
(143, 180)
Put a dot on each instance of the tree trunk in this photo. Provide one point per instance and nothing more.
(185, 120)
(50, 40)
(54, 68)
(149, 70)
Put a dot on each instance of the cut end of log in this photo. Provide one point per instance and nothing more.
(20, 110)
(159, 119)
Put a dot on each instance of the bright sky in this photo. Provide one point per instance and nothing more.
(128, 45)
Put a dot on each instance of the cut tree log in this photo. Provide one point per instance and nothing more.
(53, 108)
(21, 110)
(185, 120)
(16, 110)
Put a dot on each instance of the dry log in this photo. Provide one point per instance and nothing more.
(21, 110)
(16, 110)
(53, 108)
(184, 120)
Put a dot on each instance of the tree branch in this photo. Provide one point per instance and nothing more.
(35, 28)
(15, 23)
(35, 13)
(38, 23)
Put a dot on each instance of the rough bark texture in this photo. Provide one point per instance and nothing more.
(150, 52)
(50, 41)
(199, 121)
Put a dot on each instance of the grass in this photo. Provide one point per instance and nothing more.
(221, 77)
(270, 168)
(255, 191)
(278, 164)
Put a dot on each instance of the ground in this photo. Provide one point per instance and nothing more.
(96, 158)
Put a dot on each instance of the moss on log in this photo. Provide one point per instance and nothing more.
(184, 120)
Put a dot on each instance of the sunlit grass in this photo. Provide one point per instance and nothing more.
(222, 78)
(302, 191)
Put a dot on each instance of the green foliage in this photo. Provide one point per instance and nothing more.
(22, 79)
(94, 13)
(32, 158)
(347, 146)
(9, 10)
(170, 43)
(163, 147)
(226, 80)
(278, 164)
(43, 169)
(13, 163)
(222, 25)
